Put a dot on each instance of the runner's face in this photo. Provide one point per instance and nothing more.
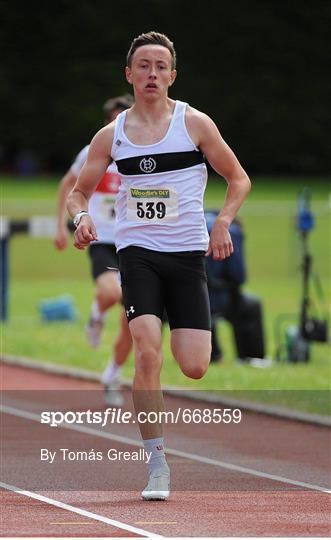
(150, 72)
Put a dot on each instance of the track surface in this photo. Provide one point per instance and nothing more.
(234, 480)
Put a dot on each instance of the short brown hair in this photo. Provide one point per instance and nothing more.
(152, 38)
(119, 102)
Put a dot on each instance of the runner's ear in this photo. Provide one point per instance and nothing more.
(173, 76)
(128, 75)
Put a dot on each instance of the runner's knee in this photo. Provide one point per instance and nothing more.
(148, 359)
(195, 371)
(108, 296)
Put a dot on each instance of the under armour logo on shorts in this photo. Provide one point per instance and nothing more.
(131, 310)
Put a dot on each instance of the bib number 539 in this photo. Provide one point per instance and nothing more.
(150, 210)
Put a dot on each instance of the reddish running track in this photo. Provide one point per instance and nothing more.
(234, 480)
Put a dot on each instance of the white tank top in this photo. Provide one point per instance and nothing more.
(160, 201)
(102, 203)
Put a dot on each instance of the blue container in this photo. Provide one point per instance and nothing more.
(58, 309)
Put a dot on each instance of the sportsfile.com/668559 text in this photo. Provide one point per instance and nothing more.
(118, 416)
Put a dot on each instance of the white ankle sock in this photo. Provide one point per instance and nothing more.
(156, 448)
(111, 372)
(96, 313)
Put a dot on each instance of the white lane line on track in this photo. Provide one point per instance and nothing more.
(80, 511)
(170, 451)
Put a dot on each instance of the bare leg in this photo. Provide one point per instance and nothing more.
(147, 394)
(107, 294)
(108, 291)
(111, 375)
(191, 348)
(123, 343)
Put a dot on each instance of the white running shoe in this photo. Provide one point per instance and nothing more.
(158, 487)
(255, 362)
(113, 395)
(93, 331)
(260, 362)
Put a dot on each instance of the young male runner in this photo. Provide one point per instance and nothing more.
(161, 236)
(102, 254)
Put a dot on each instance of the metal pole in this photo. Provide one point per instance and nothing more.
(4, 274)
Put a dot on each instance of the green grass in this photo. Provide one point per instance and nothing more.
(38, 271)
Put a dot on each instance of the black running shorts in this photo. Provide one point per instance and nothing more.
(152, 281)
(102, 256)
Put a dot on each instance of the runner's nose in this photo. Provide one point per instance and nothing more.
(152, 73)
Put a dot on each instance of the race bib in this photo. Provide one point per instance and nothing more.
(107, 208)
(156, 205)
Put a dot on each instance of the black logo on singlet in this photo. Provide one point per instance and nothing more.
(118, 142)
(147, 165)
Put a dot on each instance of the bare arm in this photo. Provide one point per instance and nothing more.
(65, 186)
(220, 156)
(96, 164)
